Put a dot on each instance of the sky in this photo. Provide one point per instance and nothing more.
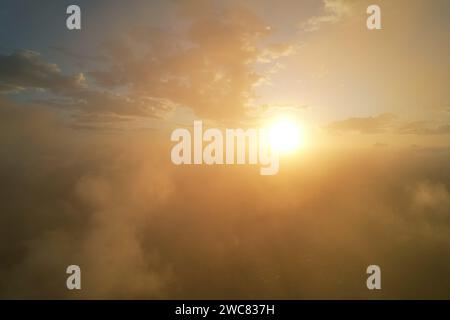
(85, 167)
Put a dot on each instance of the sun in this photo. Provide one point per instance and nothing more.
(285, 135)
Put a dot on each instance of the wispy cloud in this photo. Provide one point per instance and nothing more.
(388, 123)
(367, 125)
(333, 12)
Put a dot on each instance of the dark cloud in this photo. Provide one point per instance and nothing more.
(27, 69)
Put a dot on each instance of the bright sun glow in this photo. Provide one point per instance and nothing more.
(285, 135)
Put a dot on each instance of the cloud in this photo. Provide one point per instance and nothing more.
(424, 128)
(366, 125)
(333, 12)
(387, 123)
(9, 88)
(90, 215)
(276, 51)
(105, 102)
(149, 71)
(435, 196)
(27, 69)
(208, 68)
(140, 227)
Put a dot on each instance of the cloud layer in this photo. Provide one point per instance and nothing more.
(142, 228)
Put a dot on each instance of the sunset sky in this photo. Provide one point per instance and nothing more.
(85, 170)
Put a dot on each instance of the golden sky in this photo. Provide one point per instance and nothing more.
(241, 61)
(85, 122)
